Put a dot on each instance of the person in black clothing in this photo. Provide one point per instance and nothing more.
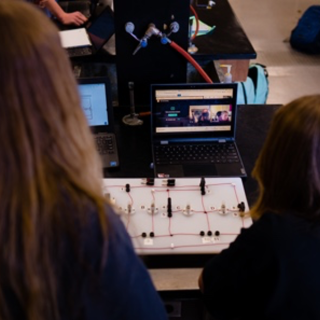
(64, 252)
(271, 270)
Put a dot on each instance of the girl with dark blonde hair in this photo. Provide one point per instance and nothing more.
(271, 270)
(64, 254)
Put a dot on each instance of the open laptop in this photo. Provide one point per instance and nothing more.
(96, 104)
(193, 130)
(92, 37)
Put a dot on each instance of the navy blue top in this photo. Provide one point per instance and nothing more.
(122, 291)
(271, 271)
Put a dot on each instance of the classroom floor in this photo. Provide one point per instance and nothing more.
(268, 25)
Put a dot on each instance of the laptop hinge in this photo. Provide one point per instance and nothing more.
(164, 142)
(222, 141)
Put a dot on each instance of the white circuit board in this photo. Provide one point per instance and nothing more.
(183, 215)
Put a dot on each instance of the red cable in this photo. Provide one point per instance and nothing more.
(191, 60)
(197, 22)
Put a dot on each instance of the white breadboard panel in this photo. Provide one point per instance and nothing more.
(177, 219)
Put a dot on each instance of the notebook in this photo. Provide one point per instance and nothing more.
(97, 32)
(193, 130)
(96, 104)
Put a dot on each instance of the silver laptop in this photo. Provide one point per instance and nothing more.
(96, 104)
(193, 130)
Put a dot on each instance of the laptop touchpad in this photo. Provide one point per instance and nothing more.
(229, 170)
(194, 170)
(169, 171)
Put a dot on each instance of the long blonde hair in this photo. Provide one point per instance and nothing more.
(288, 167)
(50, 171)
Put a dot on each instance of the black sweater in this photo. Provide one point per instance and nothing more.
(271, 271)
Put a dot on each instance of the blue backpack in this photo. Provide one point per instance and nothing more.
(305, 37)
(255, 89)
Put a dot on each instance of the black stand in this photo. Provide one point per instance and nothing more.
(155, 62)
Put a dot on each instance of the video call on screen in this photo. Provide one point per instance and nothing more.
(193, 110)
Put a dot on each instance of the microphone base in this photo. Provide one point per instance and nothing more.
(132, 120)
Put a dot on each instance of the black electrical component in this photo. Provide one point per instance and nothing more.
(202, 186)
(127, 187)
(171, 182)
(241, 207)
(150, 182)
(169, 208)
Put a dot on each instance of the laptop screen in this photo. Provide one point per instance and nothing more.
(194, 109)
(94, 103)
(102, 28)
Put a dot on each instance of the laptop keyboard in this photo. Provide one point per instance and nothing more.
(196, 153)
(105, 143)
(79, 51)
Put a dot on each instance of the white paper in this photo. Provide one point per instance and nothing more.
(74, 38)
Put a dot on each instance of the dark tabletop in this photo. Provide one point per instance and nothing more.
(134, 143)
(134, 146)
(228, 39)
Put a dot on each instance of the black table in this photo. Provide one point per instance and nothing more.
(134, 143)
(228, 40)
(135, 158)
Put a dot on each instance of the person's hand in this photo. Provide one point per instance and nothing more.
(42, 3)
(73, 18)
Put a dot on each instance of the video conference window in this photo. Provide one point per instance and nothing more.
(194, 118)
(210, 114)
(192, 110)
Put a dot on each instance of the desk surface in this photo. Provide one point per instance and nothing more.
(182, 271)
(228, 40)
(134, 147)
(134, 143)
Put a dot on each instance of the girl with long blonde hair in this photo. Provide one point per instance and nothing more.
(64, 254)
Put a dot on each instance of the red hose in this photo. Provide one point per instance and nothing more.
(191, 60)
(197, 22)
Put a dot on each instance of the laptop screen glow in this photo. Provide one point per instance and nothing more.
(94, 103)
(193, 110)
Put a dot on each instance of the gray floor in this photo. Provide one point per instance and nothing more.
(268, 24)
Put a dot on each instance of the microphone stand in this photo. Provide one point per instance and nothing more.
(132, 118)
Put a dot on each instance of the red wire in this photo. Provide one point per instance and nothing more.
(191, 60)
(197, 22)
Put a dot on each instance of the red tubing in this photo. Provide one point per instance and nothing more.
(191, 60)
(197, 22)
